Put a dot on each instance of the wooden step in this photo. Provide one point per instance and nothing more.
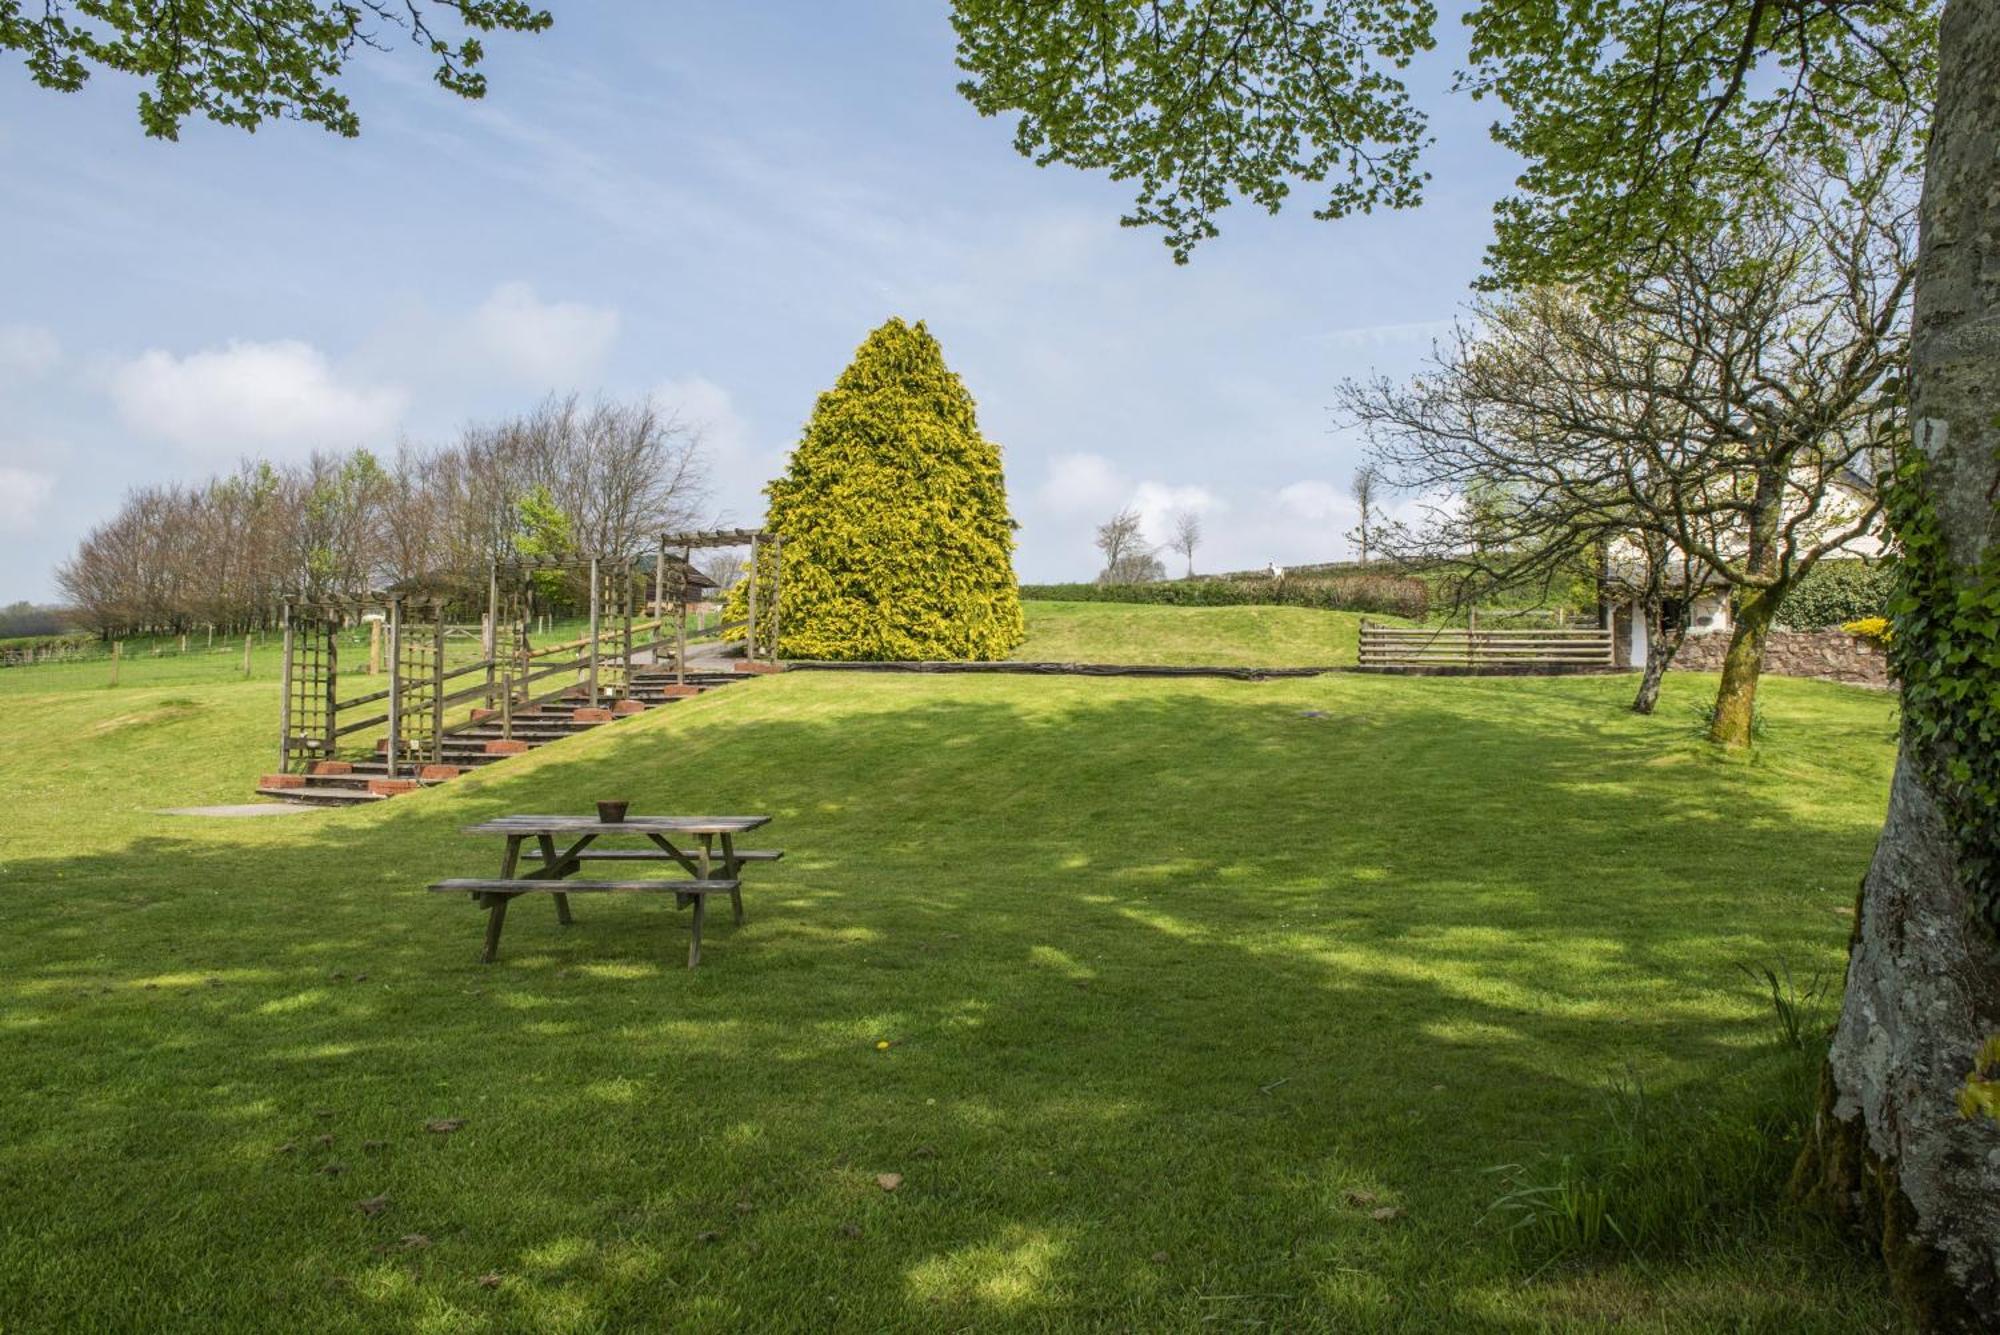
(323, 794)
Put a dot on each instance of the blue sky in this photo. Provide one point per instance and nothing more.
(713, 205)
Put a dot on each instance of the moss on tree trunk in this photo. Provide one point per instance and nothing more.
(1753, 611)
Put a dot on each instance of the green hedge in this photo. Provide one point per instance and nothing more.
(65, 640)
(1834, 592)
(1391, 595)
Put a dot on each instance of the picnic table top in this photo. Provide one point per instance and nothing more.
(630, 825)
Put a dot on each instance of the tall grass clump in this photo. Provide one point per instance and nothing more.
(1679, 1173)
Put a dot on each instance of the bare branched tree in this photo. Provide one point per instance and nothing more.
(1187, 536)
(227, 551)
(1727, 417)
(726, 567)
(1128, 558)
(1367, 485)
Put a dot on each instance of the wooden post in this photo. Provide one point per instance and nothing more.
(750, 628)
(246, 658)
(332, 686)
(374, 648)
(777, 586)
(594, 613)
(395, 683)
(507, 704)
(681, 591)
(625, 611)
(184, 642)
(492, 626)
(117, 652)
(284, 694)
(437, 684)
(660, 594)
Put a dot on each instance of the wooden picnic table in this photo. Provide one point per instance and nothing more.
(711, 869)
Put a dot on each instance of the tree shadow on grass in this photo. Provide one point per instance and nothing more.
(1179, 985)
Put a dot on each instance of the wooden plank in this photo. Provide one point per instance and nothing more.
(1572, 654)
(736, 537)
(506, 888)
(647, 855)
(1522, 632)
(1430, 646)
(638, 825)
(1419, 633)
(1554, 646)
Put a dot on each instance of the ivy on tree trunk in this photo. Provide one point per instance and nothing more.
(1893, 1151)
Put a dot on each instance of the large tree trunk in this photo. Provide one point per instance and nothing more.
(1752, 610)
(1890, 1150)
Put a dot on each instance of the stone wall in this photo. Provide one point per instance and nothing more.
(1831, 655)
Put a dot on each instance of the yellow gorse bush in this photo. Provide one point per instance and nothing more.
(893, 510)
(1869, 628)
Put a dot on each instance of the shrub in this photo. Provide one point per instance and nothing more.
(1869, 628)
(1834, 592)
(893, 512)
(1391, 595)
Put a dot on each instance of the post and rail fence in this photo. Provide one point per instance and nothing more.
(1475, 648)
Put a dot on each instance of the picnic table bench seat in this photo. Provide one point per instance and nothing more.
(647, 855)
(545, 885)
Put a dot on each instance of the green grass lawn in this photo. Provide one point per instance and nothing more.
(1181, 985)
(1189, 636)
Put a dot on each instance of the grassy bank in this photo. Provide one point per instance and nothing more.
(1189, 636)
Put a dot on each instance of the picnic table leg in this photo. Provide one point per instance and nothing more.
(733, 870)
(558, 872)
(694, 940)
(496, 905)
(496, 917)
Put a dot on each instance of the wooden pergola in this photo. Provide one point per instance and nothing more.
(691, 542)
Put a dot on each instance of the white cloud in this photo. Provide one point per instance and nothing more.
(1083, 483)
(551, 344)
(23, 493)
(701, 403)
(27, 352)
(1158, 503)
(1318, 502)
(277, 397)
(738, 465)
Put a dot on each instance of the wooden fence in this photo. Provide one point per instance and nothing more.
(1476, 647)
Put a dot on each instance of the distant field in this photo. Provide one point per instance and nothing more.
(159, 661)
(1190, 636)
